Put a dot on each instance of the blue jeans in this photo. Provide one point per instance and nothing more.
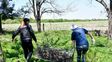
(81, 51)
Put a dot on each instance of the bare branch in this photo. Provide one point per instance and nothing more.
(53, 5)
(30, 2)
(48, 10)
(43, 1)
(104, 4)
(38, 10)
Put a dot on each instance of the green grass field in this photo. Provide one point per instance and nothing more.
(100, 52)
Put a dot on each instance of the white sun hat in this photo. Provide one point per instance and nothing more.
(74, 26)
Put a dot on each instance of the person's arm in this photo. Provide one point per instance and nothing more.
(15, 33)
(92, 38)
(32, 34)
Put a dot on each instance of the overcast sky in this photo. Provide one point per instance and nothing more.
(79, 9)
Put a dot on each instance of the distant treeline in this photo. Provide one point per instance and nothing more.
(73, 20)
(9, 21)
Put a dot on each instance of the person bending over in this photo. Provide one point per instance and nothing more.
(78, 37)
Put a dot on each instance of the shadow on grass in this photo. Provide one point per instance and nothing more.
(100, 45)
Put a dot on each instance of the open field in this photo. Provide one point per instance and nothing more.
(100, 52)
(90, 25)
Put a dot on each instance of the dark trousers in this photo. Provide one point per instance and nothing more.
(81, 51)
(27, 48)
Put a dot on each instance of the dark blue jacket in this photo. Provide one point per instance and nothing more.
(79, 35)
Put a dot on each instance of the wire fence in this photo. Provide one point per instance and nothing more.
(61, 26)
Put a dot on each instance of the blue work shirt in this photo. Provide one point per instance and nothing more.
(79, 35)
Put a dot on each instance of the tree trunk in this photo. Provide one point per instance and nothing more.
(43, 27)
(110, 21)
(110, 26)
(38, 19)
(1, 31)
(39, 25)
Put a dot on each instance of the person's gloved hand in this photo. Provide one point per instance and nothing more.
(93, 41)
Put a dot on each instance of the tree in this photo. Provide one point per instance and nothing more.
(23, 11)
(109, 12)
(38, 9)
(6, 11)
(110, 20)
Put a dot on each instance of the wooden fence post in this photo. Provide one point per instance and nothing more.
(43, 27)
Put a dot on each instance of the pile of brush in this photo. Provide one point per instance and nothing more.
(54, 55)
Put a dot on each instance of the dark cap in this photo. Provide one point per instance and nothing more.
(26, 19)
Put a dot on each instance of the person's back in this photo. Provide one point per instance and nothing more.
(79, 35)
(24, 33)
(26, 36)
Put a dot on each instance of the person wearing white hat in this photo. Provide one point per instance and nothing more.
(78, 37)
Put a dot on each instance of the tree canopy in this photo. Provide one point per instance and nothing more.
(8, 7)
